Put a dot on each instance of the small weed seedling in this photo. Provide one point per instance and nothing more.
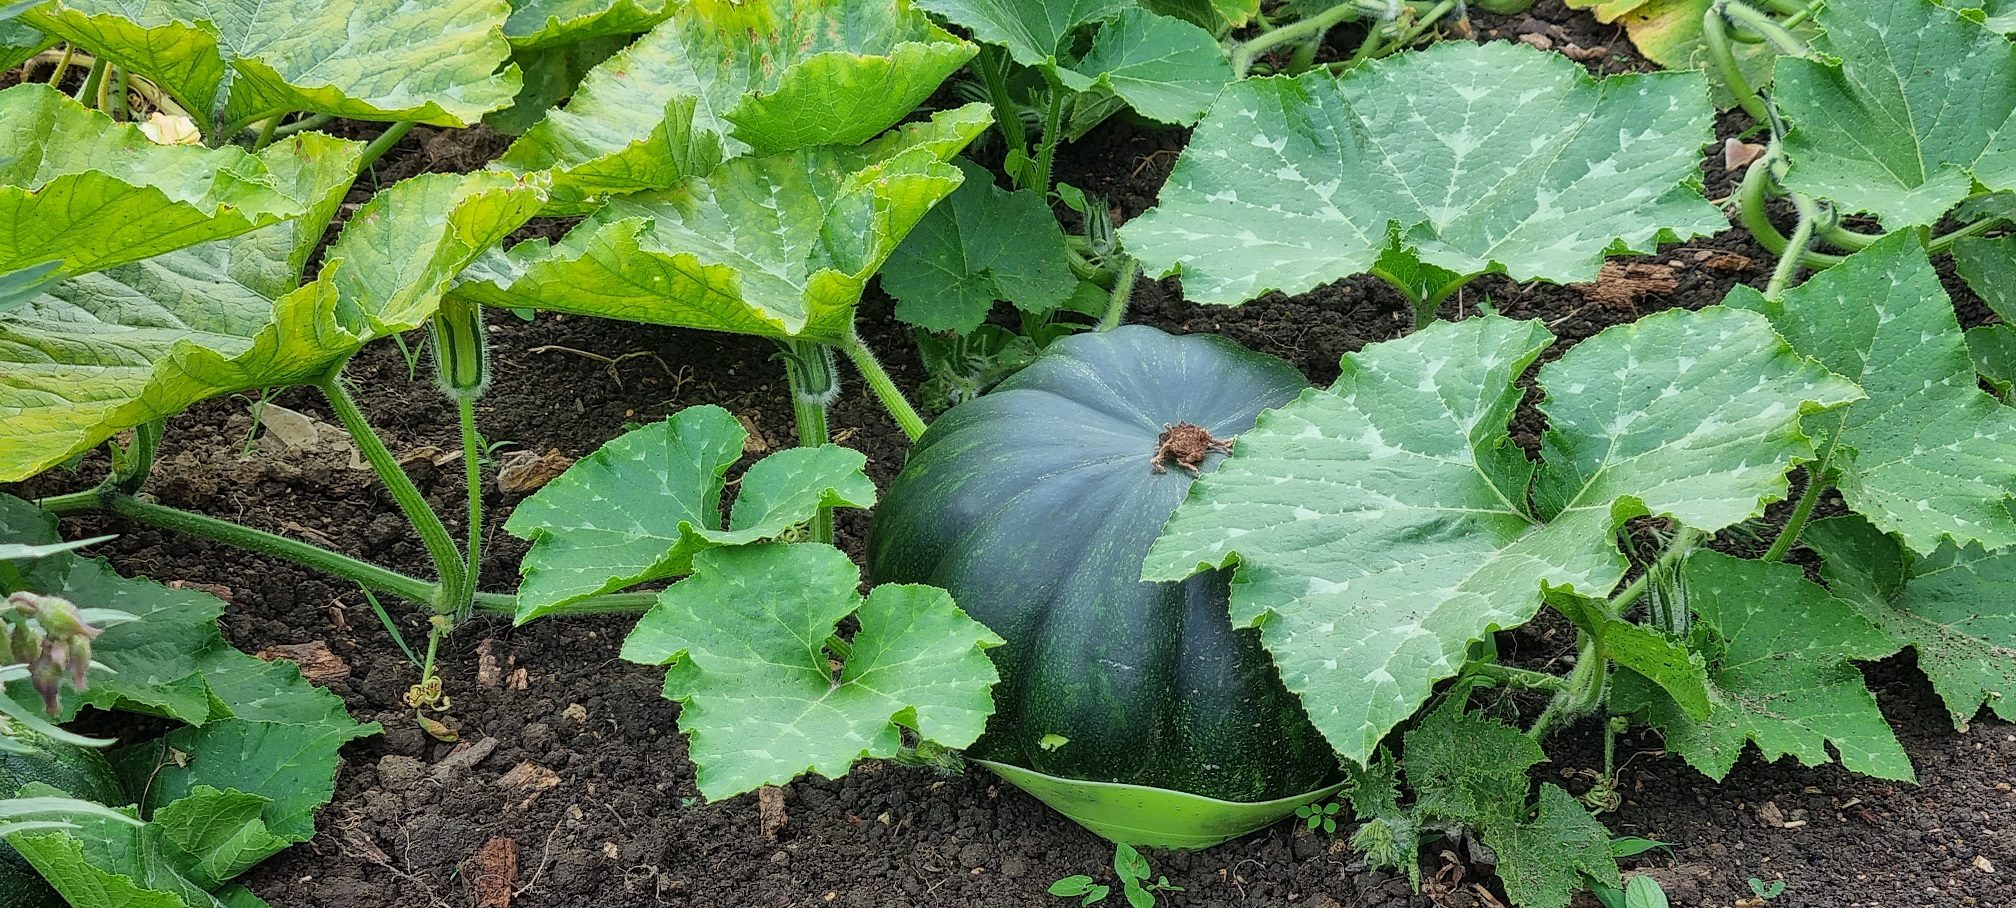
(1133, 872)
(1766, 891)
(1320, 816)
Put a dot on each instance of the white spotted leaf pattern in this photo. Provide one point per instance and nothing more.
(1780, 666)
(1468, 158)
(1929, 455)
(1381, 525)
(1915, 111)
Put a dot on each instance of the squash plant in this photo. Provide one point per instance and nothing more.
(251, 753)
(1382, 530)
(1833, 109)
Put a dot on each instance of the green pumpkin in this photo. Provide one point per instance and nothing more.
(77, 771)
(1135, 708)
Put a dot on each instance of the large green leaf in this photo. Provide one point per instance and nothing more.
(1994, 350)
(1034, 32)
(642, 506)
(1928, 454)
(18, 42)
(1912, 111)
(1953, 606)
(1988, 265)
(1472, 770)
(778, 246)
(1669, 33)
(1656, 656)
(1217, 16)
(1166, 68)
(233, 61)
(1383, 524)
(538, 23)
(238, 784)
(111, 350)
(1780, 655)
(982, 244)
(80, 189)
(1469, 158)
(746, 639)
(722, 79)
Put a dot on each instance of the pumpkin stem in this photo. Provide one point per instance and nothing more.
(1188, 444)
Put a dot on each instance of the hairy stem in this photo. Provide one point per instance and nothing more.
(885, 389)
(1053, 130)
(809, 368)
(1310, 29)
(993, 66)
(472, 474)
(1509, 676)
(1751, 197)
(448, 560)
(88, 94)
(132, 465)
(1715, 40)
(1123, 293)
(1676, 550)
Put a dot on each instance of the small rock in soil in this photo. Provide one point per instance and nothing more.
(397, 773)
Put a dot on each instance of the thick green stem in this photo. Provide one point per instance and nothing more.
(993, 65)
(1509, 676)
(1053, 132)
(1816, 480)
(1750, 201)
(267, 131)
(472, 474)
(63, 66)
(117, 78)
(207, 527)
(303, 125)
(1795, 249)
(88, 94)
(1310, 29)
(884, 387)
(379, 146)
(1715, 40)
(813, 380)
(132, 464)
(369, 575)
(1584, 689)
(448, 560)
(1763, 26)
(1123, 292)
(1676, 550)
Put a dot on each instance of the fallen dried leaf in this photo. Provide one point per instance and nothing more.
(1771, 815)
(215, 589)
(493, 872)
(1540, 41)
(316, 662)
(439, 731)
(488, 673)
(755, 443)
(1620, 285)
(1580, 54)
(528, 777)
(430, 454)
(1738, 155)
(525, 472)
(462, 759)
(770, 811)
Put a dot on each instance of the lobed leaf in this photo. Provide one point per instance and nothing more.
(1928, 454)
(745, 636)
(1910, 111)
(82, 190)
(1466, 158)
(1780, 654)
(107, 351)
(983, 243)
(1656, 656)
(1383, 524)
(1988, 265)
(228, 62)
(779, 246)
(1470, 770)
(1034, 32)
(1669, 33)
(720, 79)
(1952, 606)
(643, 506)
(1166, 69)
(18, 42)
(543, 23)
(257, 759)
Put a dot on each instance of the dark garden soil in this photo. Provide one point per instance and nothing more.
(571, 787)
